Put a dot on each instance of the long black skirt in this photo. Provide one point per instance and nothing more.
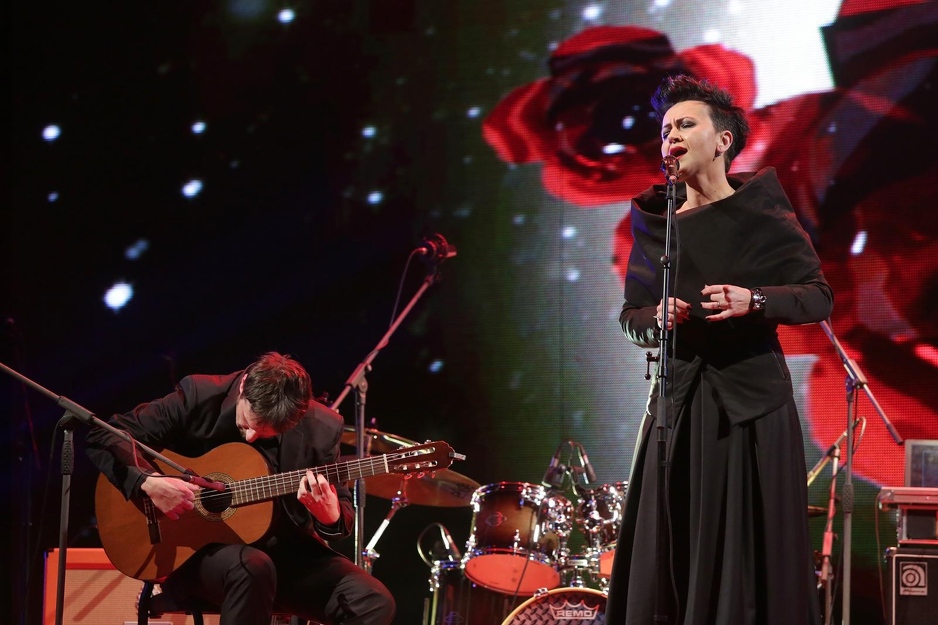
(739, 550)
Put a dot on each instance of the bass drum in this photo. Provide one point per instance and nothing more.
(583, 606)
(458, 601)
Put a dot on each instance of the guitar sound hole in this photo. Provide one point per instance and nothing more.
(216, 502)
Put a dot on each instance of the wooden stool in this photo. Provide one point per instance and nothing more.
(150, 606)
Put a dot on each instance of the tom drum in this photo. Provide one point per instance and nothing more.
(518, 531)
(599, 515)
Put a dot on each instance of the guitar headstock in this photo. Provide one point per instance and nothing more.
(423, 458)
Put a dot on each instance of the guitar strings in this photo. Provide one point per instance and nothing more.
(267, 484)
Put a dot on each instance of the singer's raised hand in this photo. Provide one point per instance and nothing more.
(727, 300)
(678, 310)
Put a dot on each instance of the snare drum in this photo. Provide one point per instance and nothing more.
(457, 601)
(518, 531)
(599, 515)
(583, 606)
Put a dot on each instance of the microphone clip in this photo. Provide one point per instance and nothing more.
(435, 249)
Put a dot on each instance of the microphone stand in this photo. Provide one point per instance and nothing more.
(358, 382)
(663, 359)
(855, 379)
(73, 412)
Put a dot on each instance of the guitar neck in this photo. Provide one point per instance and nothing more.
(256, 489)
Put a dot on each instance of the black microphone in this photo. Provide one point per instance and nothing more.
(670, 166)
(585, 463)
(435, 248)
(455, 554)
(553, 477)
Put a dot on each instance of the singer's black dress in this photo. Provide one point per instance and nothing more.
(739, 551)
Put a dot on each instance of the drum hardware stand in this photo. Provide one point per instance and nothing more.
(369, 555)
(73, 413)
(827, 548)
(855, 379)
(434, 251)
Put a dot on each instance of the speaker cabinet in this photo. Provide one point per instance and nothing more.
(96, 593)
(913, 585)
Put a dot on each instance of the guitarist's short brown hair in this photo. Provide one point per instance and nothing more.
(278, 389)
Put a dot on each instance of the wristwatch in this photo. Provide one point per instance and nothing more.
(757, 302)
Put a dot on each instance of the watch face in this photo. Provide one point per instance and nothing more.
(758, 299)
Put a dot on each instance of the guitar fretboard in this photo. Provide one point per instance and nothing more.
(256, 489)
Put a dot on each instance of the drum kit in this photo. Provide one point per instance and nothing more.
(518, 565)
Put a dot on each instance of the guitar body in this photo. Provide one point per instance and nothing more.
(126, 534)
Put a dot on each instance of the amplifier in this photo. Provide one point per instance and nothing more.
(96, 593)
(913, 585)
(918, 525)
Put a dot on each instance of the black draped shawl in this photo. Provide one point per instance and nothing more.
(749, 239)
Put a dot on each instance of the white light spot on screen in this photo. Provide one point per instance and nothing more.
(662, 3)
(568, 232)
(192, 188)
(436, 366)
(712, 35)
(592, 12)
(198, 127)
(286, 16)
(573, 274)
(735, 7)
(51, 132)
(136, 250)
(613, 148)
(375, 197)
(473, 112)
(118, 295)
(832, 128)
(53, 196)
(859, 243)
(369, 131)
(628, 121)
(519, 219)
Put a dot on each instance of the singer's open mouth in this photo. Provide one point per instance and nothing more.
(677, 150)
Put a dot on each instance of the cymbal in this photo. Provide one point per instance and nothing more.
(444, 488)
(376, 442)
(816, 511)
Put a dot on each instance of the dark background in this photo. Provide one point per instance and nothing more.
(282, 250)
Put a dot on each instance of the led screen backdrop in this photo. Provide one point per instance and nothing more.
(193, 185)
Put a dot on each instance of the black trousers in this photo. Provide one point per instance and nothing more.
(305, 579)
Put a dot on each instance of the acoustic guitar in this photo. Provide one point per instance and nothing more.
(144, 544)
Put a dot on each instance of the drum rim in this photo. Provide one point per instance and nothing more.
(487, 488)
(555, 591)
(498, 551)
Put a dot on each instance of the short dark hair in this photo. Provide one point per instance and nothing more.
(723, 113)
(278, 389)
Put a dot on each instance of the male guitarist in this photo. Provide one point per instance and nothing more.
(291, 568)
